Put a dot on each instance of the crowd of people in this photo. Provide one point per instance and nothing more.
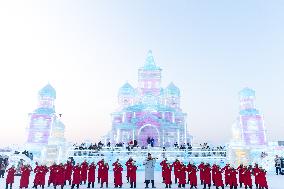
(61, 175)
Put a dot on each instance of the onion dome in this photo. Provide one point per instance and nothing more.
(126, 89)
(247, 93)
(48, 91)
(172, 90)
(150, 62)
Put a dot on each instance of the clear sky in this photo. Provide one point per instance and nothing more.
(211, 49)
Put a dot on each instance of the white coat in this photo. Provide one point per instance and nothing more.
(149, 169)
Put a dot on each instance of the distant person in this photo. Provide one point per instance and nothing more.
(277, 164)
(2, 169)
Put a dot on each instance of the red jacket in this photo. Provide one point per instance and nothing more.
(76, 175)
(37, 175)
(192, 176)
(84, 169)
(128, 165)
(256, 172)
(132, 173)
(52, 174)
(60, 175)
(68, 170)
(25, 177)
(207, 175)
(163, 165)
(262, 179)
(10, 176)
(104, 175)
(43, 171)
(241, 175)
(182, 174)
(100, 164)
(91, 173)
(117, 175)
(233, 178)
(176, 166)
(218, 177)
(247, 177)
(168, 174)
(227, 173)
(201, 168)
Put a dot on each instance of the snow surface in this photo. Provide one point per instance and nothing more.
(274, 182)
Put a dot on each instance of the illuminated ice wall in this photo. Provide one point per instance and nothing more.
(250, 126)
(149, 111)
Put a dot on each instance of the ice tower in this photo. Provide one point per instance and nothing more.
(45, 127)
(149, 111)
(250, 120)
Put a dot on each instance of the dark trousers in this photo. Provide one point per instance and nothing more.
(233, 187)
(278, 170)
(168, 185)
(132, 184)
(2, 172)
(8, 185)
(91, 183)
(181, 185)
(73, 185)
(209, 185)
(148, 182)
(102, 184)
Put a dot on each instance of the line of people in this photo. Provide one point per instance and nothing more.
(187, 174)
(66, 174)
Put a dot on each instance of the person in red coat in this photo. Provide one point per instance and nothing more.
(84, 169)
(10, 177)
(163, 165)
(115, 164)
(192, 174)
(52, 176)
(255, 172)
(68, 171)
(168, 175)
(218, 177)
(25, 176)
(117, 170)
(132, 175)
(201, 168)
(207, 175)
(176, 166)
(241, 175)
(104, 178)
(226, 169)
(262, 179)
(100, 165)
(189, 167)
(214, 169)
(182, 175)
(60, 176)
(76, 176)
(37, 172)
(233, 181)
(91, 175)
(128, 165)
(247, 177)
(42, 174)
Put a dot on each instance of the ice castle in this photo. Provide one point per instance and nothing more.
(149, 111)
(45, 126)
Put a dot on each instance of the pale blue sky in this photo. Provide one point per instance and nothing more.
(87, 49)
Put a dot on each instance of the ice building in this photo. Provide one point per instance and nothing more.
(250, 127)
(45, 126)
(149, 111)
(248, 132)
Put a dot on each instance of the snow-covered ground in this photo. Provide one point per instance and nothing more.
(274, 181)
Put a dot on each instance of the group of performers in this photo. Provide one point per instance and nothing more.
(213, 175)
(61, 175)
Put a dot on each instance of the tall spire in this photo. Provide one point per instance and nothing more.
(150, 62)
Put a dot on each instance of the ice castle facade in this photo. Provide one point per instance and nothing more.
(149, 111)
(45, 126)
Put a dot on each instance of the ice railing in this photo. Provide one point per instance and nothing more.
(168, 152)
